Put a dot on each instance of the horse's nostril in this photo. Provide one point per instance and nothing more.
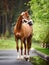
(30, 23)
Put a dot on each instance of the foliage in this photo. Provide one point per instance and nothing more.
(9, 12)
(40, 15)
(46, 40)
(38, 61)
(38, 47)
(40, 10)
(40, 30)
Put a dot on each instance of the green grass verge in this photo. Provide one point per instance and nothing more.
(8, 43)
(38, 61)
(38, 47)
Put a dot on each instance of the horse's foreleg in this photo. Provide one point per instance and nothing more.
(29, 43)
(21, 47)
(25, 48)
(28, 50)
(17, 47)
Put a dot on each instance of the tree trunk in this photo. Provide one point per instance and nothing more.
(0, 25)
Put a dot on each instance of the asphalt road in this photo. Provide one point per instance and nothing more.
(9, 57)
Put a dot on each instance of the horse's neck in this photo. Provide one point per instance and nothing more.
(19, 23)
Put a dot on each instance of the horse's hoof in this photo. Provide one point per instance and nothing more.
(20, 57)
(26, 58)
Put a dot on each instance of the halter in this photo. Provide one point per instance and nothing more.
(30, 22)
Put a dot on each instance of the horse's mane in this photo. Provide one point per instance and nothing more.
(19, 22)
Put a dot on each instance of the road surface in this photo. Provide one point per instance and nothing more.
(9, 57)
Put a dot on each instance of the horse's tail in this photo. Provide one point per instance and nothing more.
(19, 22)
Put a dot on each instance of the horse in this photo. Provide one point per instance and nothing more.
(23, 31)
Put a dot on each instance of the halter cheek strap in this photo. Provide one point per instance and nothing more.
(24, 20)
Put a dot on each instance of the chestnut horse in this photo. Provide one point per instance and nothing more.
(23, 31)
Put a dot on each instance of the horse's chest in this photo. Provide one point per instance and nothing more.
(27, 30)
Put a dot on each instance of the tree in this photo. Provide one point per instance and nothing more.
(40, 15)
(9, 11)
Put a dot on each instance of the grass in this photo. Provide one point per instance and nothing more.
(8, 43)
(38, 61)
(38, 47)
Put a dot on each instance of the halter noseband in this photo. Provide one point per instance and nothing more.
(27, 21)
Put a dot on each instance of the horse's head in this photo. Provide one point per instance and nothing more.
(26, 18)
(25, 15)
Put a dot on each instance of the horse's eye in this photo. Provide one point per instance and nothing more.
(25, 21)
